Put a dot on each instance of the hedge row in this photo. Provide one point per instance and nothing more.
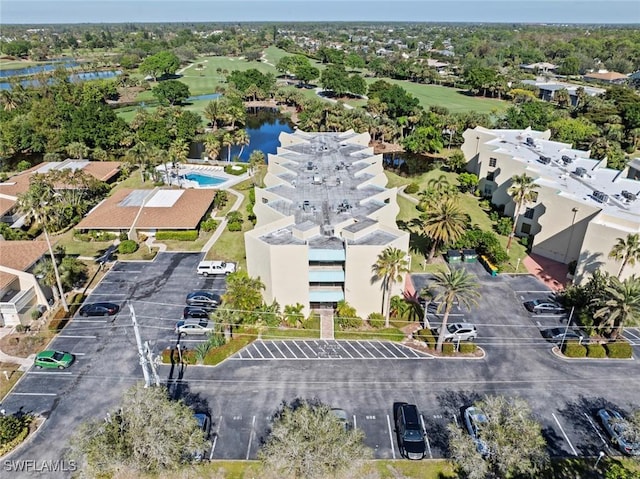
(180, 235)
(448, 349)
(5, 448)
(616, 350)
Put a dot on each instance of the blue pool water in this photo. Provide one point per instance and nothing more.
(204, 180)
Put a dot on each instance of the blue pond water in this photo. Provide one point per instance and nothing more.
(208, 96)
(75, 77)
(204, 180)
(47, 67)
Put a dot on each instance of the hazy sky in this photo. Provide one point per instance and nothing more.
(118, 11)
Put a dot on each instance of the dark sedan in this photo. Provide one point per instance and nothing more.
(195, 312)
(99, 309)
(203, 299)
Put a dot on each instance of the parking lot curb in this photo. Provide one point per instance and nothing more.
(27, 439)
(556, 352)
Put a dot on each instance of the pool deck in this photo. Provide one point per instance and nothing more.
(210, 170)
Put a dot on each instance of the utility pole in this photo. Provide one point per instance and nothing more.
(151, 362)
(141, 354)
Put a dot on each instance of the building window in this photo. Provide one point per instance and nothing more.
(491, 175)
(525, 228)
(488, 190)
(493, 161)
(529, 213)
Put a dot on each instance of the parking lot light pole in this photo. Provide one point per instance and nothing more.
(141, 353)
(566, 329)
(601, 454)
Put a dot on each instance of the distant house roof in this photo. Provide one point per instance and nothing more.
(150, 209)
(21, 255)
(17, 184)
(606, 76)
(540, 66)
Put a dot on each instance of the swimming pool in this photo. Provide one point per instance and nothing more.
(205, 180)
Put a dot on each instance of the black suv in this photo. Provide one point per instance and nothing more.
(410, 432)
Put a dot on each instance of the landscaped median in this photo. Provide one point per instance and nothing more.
(615, 350)
(426, 341)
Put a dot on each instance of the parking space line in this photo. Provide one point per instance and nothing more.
(47, 373)
(275, 344)
(341, 347)
(393, 449)
(426, 436)
(78, 320)
(593, 425)
(386, 348)
(548, 291)
(246, 350)
(262, 343)
(34, 394)
(564, 434)
(290, 350)
(400, 350)
(377, 350)
(76, 337)
(295, 343)
(355, 422)
(366, 350)
(315, 351)
(215, 439)
(350, 344)
(257, 350)
(253, 423)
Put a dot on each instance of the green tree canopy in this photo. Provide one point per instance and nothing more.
(160, 64)
(171, 92)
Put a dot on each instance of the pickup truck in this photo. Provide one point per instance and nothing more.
(207, 268)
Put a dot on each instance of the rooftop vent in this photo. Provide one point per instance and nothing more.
(600, 196)
(530, 141)
(627, 195)
(567, 159)
(545, 160)
(581, 172)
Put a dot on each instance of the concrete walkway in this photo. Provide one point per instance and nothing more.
(326, 324)
(223, 221)
(25, 363)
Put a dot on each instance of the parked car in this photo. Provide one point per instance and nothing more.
(475, 419)
(539, 306)
(562, 335)
(207, 268)
(99, 309)
(195, 326)
(460, 332)
(620, 434)
(204, 422)
(53, 359)
(411, 434)
(196, 312)
(342, 416)
(204, 299)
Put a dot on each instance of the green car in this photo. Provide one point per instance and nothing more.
(53, 359)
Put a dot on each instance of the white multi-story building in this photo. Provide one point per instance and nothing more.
(582, 207)
(323, 218)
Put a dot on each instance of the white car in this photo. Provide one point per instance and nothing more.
(207, 268)
(460, 332)
(195, 326)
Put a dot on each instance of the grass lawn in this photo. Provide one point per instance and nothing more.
(385, 334)
(290, 333)
(16, 64)
(14, 375)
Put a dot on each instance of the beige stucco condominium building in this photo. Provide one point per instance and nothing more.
(582, 206)
(323, 218)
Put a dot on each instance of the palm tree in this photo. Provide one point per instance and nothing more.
(213, 112)
(139, 154)
(443, 224)
(212, 145)
(626, 250)
(178, 153)
(256, 160)
(451, 287)
(77, 150)
(619, 306)
(227, 142)
(389, 267)
(241, 137)
(522, 190)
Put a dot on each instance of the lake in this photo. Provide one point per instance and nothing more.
(264, 126)
(74, 77)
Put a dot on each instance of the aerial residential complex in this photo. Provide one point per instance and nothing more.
(323, 218)
(582, 206)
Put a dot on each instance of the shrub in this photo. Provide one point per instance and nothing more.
(235, 169)
(484, 204)
(619, 350)
(13, 430)
(123, 236)
(467, 348)
(234, 226)
(427, 336)
(574, 349)
(412, 188)
(503, 226)
(209, 225)
(312, 322)
(596, 351)
(349, 322)
(376, 320)
(448, 349)
(36, 314)
(494, 216)
(179, 235)
(127, 247)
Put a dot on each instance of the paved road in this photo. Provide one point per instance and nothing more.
(243, 394)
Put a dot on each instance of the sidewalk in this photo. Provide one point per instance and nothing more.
(25, 363)
(223, 221)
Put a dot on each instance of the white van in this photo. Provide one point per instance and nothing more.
(207, 268)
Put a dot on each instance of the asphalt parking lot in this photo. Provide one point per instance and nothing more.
(363, 378)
